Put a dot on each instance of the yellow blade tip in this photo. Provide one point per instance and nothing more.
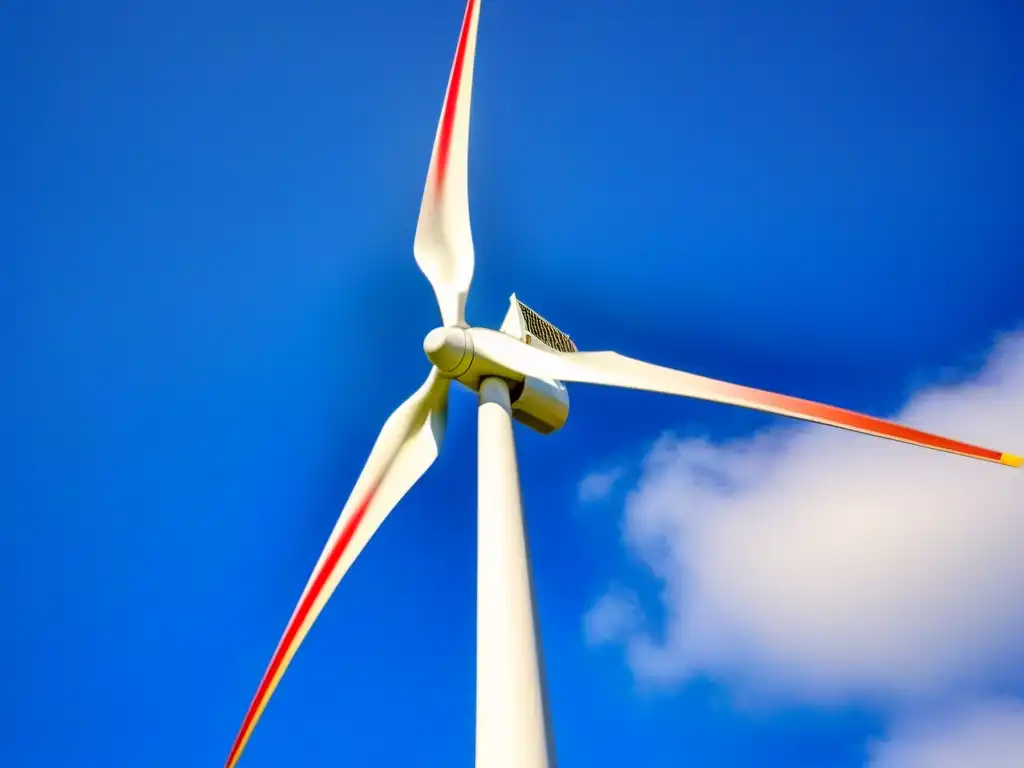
(1012, 461)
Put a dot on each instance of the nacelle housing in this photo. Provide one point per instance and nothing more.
(540, 404)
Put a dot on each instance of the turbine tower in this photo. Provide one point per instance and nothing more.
(519, 372)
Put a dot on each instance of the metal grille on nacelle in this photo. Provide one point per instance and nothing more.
(544, 331)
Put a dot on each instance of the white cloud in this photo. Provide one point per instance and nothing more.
(611, 618)
(598, 485)
(815, 564)
(986, 734)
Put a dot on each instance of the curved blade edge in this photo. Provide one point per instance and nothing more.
(406, 447)
(443, 245)
(615, 370)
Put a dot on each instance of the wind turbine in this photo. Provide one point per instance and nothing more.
(519, 372)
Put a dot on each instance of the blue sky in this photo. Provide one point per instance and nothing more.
(211, 307)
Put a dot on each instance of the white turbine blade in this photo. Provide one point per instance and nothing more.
(406, 447)
(444, 240)
(614, 370)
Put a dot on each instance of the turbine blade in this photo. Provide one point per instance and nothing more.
(444, 240)
(615, 370)
(406, 447)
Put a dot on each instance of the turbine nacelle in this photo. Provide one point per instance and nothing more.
(541, 404)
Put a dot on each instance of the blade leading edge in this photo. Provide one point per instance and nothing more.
(615, 370)
(444, 239)
(406, 447)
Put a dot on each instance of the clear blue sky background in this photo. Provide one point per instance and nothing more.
(210, 307)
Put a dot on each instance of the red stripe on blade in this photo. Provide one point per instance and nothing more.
(444, 144)
(841, 417)
(287, 640)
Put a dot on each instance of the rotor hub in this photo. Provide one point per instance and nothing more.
(450, 350)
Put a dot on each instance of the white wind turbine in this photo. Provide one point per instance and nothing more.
(518, 372)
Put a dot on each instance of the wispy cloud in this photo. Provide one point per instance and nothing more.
(813, 564)
(988, 733)
(611, 618)
(598, 485)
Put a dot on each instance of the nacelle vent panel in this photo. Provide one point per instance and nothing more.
(530, 327)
